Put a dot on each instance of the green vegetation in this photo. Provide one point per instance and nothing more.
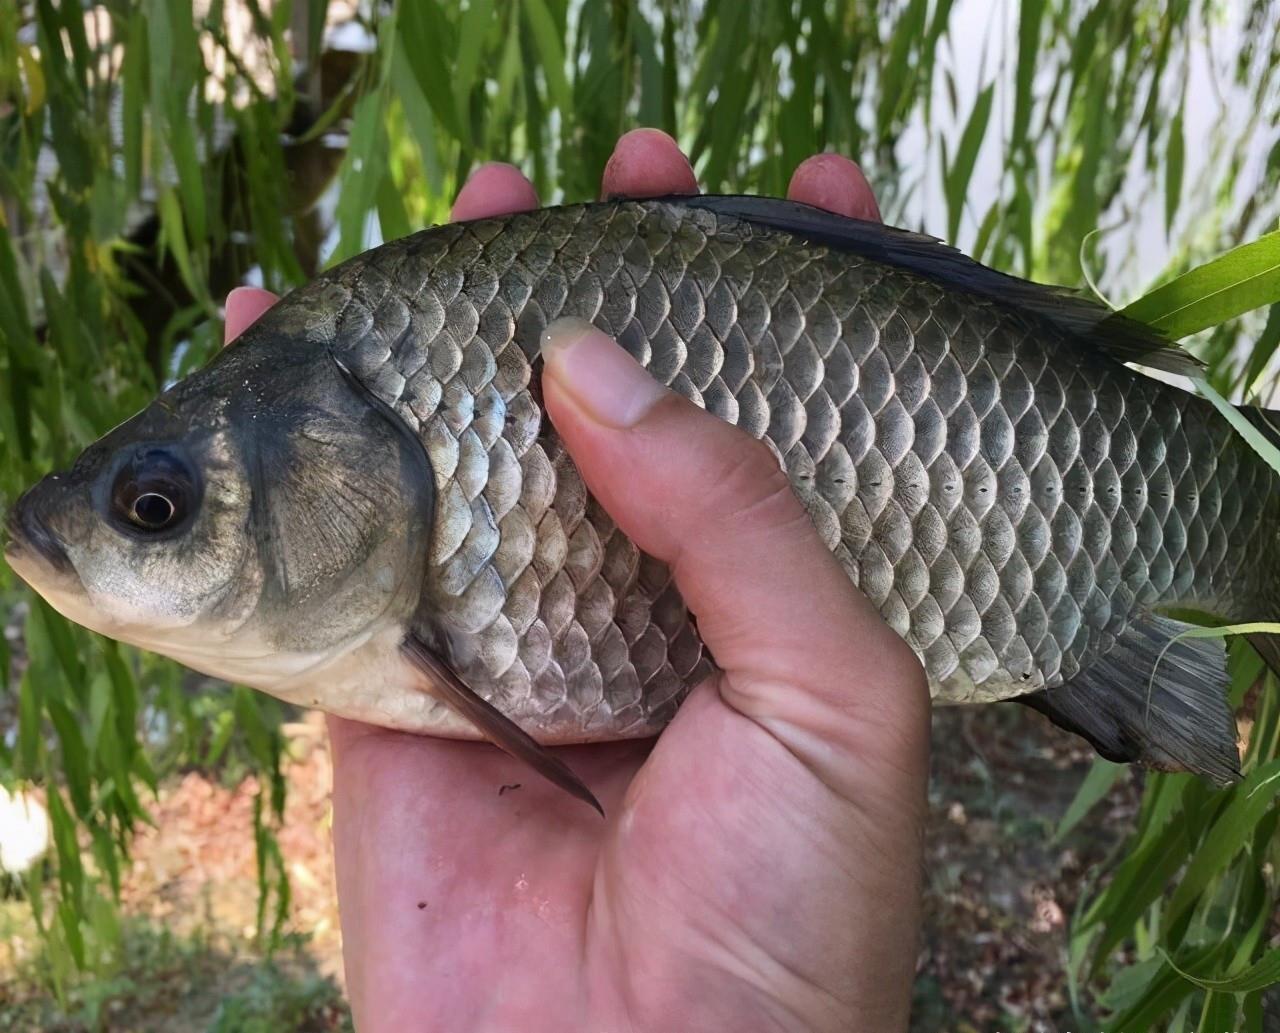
(171, 983)
(150, 157)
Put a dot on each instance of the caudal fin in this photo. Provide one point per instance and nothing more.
(1153, 698)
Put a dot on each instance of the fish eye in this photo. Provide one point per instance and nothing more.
(153, 510)
(154, 490)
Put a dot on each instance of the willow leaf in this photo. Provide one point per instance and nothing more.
(961, 171)
(1030, 18)
(1174, 158)
(1242, 426)
(1228, 835)
(1243, 279)
(1095, 785)
(551, 53)
(1264, 973)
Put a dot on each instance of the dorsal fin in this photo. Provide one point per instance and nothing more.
(499, 729)
(1094, 325)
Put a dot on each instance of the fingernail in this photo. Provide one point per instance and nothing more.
(601, 377)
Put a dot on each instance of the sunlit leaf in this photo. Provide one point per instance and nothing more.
(551, 51)
(1173, 172)
(422, 29)
(1030, 20)
(1257, 441)
(1245, 278)
(961, 171)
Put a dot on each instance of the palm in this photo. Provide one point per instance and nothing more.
(757, 868)
(667, 913)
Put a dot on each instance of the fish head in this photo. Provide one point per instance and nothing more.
(132, 540)
(256, 520)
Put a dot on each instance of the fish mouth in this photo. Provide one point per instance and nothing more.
(27, 531)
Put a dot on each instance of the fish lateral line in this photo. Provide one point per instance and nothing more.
(493, 724)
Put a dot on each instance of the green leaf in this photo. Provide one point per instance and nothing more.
(256, 732)
(182, 148)
(1162, 993)
(174, 234)
(1228, 835)
(1218, 1013)
(69, 921)
(1265, 973)
(1095, 785)
(422, 30)
(1246, 430)
(133, 73)
(550, 52)
(1263, 350)
(1138, 881)
(1243, 279)
(73, 754)
(362, 173)
(1251, 1014)
(418, 115)
(1131, 984)
(956, 179)
(63, 828)
(29, 738)
(1173, 172)
(897, 83)
(392, 216)
(472, 30)
(1030, 20)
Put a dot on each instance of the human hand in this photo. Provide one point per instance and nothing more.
(760, 865)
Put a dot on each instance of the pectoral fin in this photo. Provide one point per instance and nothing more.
(1153, 698)
(496, 726)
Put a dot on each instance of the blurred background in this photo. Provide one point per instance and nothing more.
(164, 858)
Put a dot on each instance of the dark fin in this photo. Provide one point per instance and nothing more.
(1095, 325)
(382, 408)
(496, 726)
(1176, 721)
(1268, 647)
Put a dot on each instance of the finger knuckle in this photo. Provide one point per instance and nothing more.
(751, 485)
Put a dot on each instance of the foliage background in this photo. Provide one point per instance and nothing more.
(156, 152)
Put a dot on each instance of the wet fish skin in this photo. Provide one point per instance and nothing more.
(1012, 498)
(1007, 498)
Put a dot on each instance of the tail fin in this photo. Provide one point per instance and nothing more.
(1153, 698)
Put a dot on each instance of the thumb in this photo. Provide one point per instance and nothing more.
(805, 654)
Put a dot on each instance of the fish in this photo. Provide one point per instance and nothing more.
(361, 506)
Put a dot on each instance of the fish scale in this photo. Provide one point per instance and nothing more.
(361, 506)
(1007, 499)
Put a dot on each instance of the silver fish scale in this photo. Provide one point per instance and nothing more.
(1006, 497)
